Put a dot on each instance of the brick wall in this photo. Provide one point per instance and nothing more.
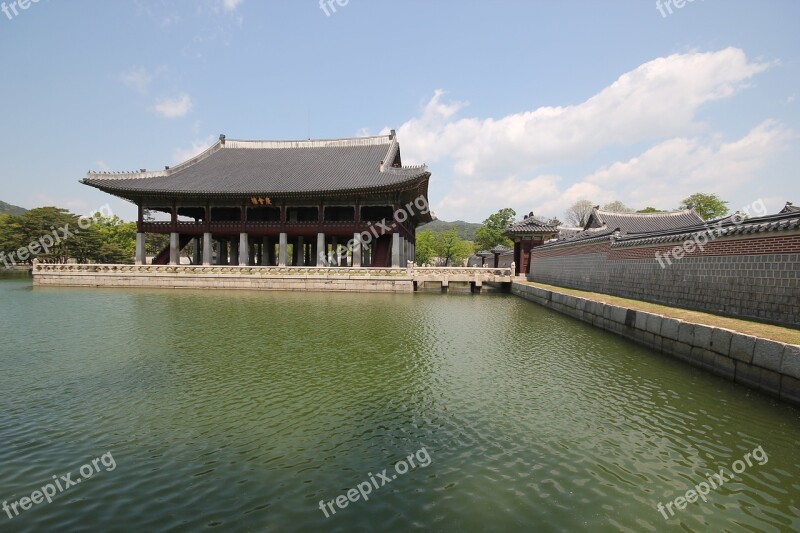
(752, 277)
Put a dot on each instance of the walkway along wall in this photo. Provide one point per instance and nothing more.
(761, 364)
(749, 269)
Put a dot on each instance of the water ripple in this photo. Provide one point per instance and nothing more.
(238, 411)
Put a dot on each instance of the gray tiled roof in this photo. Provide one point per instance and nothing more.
(232, 167)
(583, 237)
(643, 222)
(789, 208)
(727, 227)
(529, 224)
(502, 250)
(723, 227)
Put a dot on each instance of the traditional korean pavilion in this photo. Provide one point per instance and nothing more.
(526, 234)
(342, 202)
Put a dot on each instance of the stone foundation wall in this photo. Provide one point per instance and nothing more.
(761, 364)
(222, 281)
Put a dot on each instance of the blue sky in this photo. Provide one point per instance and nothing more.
(524, 104)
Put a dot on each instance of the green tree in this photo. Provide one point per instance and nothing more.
(44, 232)
(451, 248)
(54, 235)
(118, 234)
(426, 247)
(650, 210)
(112, 253)
(9, 233)
(708, 206)
(85, 243)
(155, 242)
(490, 234)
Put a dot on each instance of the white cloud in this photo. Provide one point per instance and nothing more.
(175, 107)
(138, 79)
(230, 5)
(660, 176)
(161, 12)
(657, 99)
(179, 155)
(101, 166)
(493, 162)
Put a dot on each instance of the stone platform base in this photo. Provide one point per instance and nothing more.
(224, 277)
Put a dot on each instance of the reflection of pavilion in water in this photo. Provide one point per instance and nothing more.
(344, 202)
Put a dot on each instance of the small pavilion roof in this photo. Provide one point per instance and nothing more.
(529, 224)
(502, 250)
(279, 168)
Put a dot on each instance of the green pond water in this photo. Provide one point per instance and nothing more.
(238, 411)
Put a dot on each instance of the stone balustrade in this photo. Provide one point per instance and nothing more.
(264, 277)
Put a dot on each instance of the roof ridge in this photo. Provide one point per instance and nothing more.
(308, 143)
(660, 213)
(391, 154)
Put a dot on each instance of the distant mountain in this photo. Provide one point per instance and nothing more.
(8, 209)
(466, 230)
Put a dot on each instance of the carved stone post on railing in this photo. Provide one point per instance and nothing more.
(513, 269)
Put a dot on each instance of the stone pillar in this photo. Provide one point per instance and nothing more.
(207, 248)
(234, 261)
(357, 250)
(322, 250)
(265, 255)
(222, 255)
(396, 250)
(299, 252)
(244, 250)
(271, 258)
(195, 251)
(282, 250)
(413, 253)
(174, 248)
(141, 255)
